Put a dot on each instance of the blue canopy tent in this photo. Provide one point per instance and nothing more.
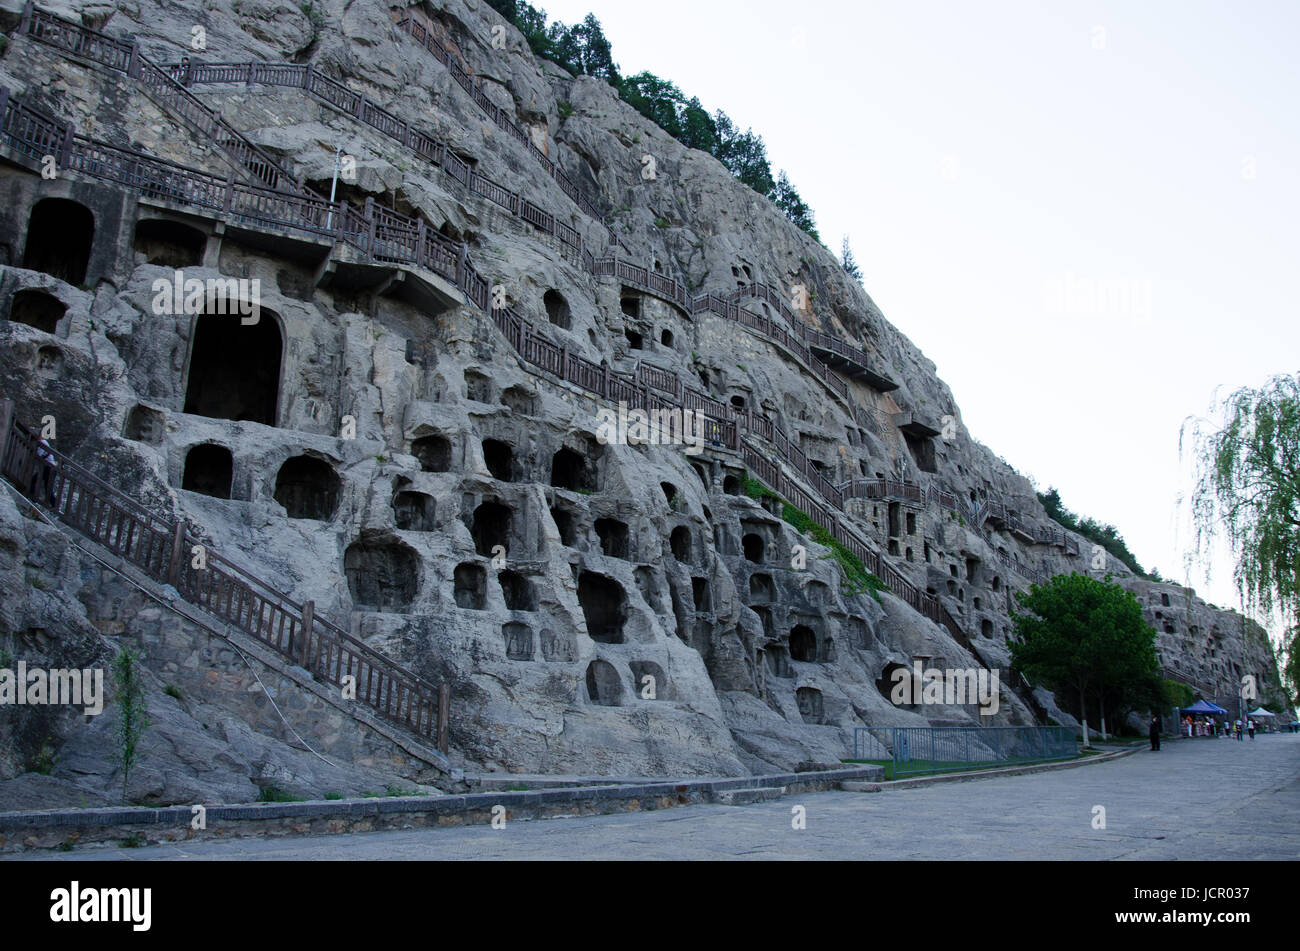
(1205, 708)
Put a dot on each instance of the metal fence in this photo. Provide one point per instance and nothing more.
(941, 749)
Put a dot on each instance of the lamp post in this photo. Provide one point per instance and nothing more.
(334, 185)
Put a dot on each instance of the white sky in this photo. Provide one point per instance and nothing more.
(983, 155)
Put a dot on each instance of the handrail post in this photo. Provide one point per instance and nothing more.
(370, 230)
(178, 555)
(133, 60)
(304, 645)
(6, 423)
(65, 147)
(25, 24)
(444, 717)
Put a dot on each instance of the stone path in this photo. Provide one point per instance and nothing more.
(1196, 799)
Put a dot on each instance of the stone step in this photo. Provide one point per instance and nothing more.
(853, 785)
(743, 797)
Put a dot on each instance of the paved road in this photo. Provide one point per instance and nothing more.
(1196, 799)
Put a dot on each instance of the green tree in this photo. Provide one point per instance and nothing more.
(744, 155)
(1291, 670)
(128, 689)
(699, 131)
(848, 262)
(529, 20)
(657, 99)
(583, 49)
(796, 209)
(1248, 490)
(1084, 635)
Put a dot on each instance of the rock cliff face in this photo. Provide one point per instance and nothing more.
(601, 609)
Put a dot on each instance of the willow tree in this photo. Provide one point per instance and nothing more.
(1247, 492)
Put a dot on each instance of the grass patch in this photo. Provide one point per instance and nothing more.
(135, 841)
(172, 691)
(276, 794)
(857, 579)
(565, 109)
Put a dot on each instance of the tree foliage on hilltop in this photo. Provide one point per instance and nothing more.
(1107, 536)
(584, 50)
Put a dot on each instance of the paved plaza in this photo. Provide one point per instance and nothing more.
(1195, 799)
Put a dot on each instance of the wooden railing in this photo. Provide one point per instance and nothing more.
(498, 115)
(164, 549)
(115, 54)
(336, 96)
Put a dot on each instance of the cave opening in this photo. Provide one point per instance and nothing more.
(308, 488)
(415, 512)
(60, 235)
(604, 605)
(235, 368)
(37, 309)
(491, 528)
(383, 576)
(209, 470)
(169, 243)
(603, 684)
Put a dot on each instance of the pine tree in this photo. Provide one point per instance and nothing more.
(849, 262)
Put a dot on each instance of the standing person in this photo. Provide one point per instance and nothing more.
(43, 477)
(1250, 726)
(1153, 731)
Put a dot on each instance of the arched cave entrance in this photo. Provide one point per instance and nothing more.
(491, 528)
(613, 537)
(680, 542)
(235, 368)
(604, 605)
(308, 488)
(803, 645)
(603, 684)
(811, 706)
(572, 471)
(500, 460)
(209, 470)
(564, 525)
(415, 512)
(754, 548)
(470, 587)
(433, 453)
(60, 235)
(557, 310)
(517, 591)
(656, 688)
(383, 575)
